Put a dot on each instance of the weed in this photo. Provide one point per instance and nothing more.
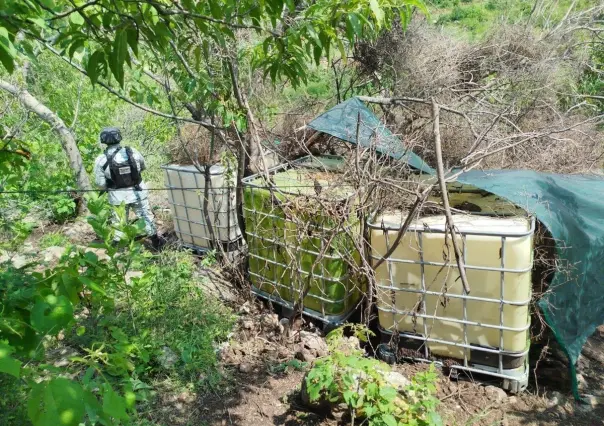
(345, 375)
(53, 239)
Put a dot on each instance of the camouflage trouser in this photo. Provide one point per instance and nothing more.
(142, 210)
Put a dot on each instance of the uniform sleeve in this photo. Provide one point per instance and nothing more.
(139, 158)
(99, 173)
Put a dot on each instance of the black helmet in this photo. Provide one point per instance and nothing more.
(111, 135)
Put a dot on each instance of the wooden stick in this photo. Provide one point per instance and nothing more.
(450, 226)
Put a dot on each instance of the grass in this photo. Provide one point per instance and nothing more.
(53, 239)
(473, 18)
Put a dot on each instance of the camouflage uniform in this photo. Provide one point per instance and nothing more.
(133, 199)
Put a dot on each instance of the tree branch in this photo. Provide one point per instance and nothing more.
(450, 226)
(131, 102)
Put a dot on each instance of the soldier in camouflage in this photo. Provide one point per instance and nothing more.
(118, 170)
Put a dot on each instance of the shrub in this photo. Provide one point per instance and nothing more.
(345, 375)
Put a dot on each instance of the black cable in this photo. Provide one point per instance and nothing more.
(69, 191)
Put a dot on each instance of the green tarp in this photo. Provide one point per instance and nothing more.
(572, 208)
(341, 122)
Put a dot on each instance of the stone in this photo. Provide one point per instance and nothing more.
(314, 343)
(554, 399)
(496, 394)
(270, 321)
(53, 254)
(167, 358)
(304, 354)
(19, 261)
(247, 324)
(186, 396)
(590, 402)
(245, 308)
(246, 367)
(396, 380)
(133, 274)
(582, 383)
(512, 400)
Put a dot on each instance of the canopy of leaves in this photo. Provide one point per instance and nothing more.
(193, 45)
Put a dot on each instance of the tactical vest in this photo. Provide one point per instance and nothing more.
(124, 174)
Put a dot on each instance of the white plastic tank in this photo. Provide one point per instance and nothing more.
(186, 196)
(420, 293)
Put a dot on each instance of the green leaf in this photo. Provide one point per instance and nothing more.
(317, 51)
(388, 393)
(132, 36)
(355, 24)
(51, 314)
(389, 420)
(77, 19)
(38, 21)
(114, 405)
(215, 9)
(8, 364)
(119, 52)
(7, 51)
(56, 402)
(80, 330)
(377, 12)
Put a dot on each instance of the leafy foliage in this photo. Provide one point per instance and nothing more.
(117, 322)
(197, 43)
(347, 376)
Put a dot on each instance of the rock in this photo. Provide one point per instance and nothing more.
(19, 261)
(133, 274)
(592, 401)
(28, 247)
(270, 321)
(53, 254)
(77, 230)
(167, 358)
(496, 394)
(304, 354)
(554, 399)
(246, 367)
(582, 383)
(512, 400)
(245, 308)
(396, 380)
(247, 324)
(351, 345)
(186, 396)
(314, 343)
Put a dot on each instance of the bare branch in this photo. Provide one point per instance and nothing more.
(445, 196)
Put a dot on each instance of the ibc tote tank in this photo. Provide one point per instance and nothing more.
(186, 186)
(421, 296)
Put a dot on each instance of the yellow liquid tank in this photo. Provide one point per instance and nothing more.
(420, 294)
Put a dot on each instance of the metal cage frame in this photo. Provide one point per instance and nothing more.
(219, 228)
(274, 281)
(515, 379)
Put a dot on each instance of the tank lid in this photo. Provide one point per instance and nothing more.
(215, 169)
(467, 224)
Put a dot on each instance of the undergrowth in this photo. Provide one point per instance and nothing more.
(91, 339)
(347, 376)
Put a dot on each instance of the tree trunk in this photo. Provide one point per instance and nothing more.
(66, 137)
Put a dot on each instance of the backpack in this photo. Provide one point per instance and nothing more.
(124, 174)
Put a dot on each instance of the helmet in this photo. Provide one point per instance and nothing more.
(111, 135)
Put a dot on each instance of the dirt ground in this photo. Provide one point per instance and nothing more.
(264, 390)
(262, 396)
